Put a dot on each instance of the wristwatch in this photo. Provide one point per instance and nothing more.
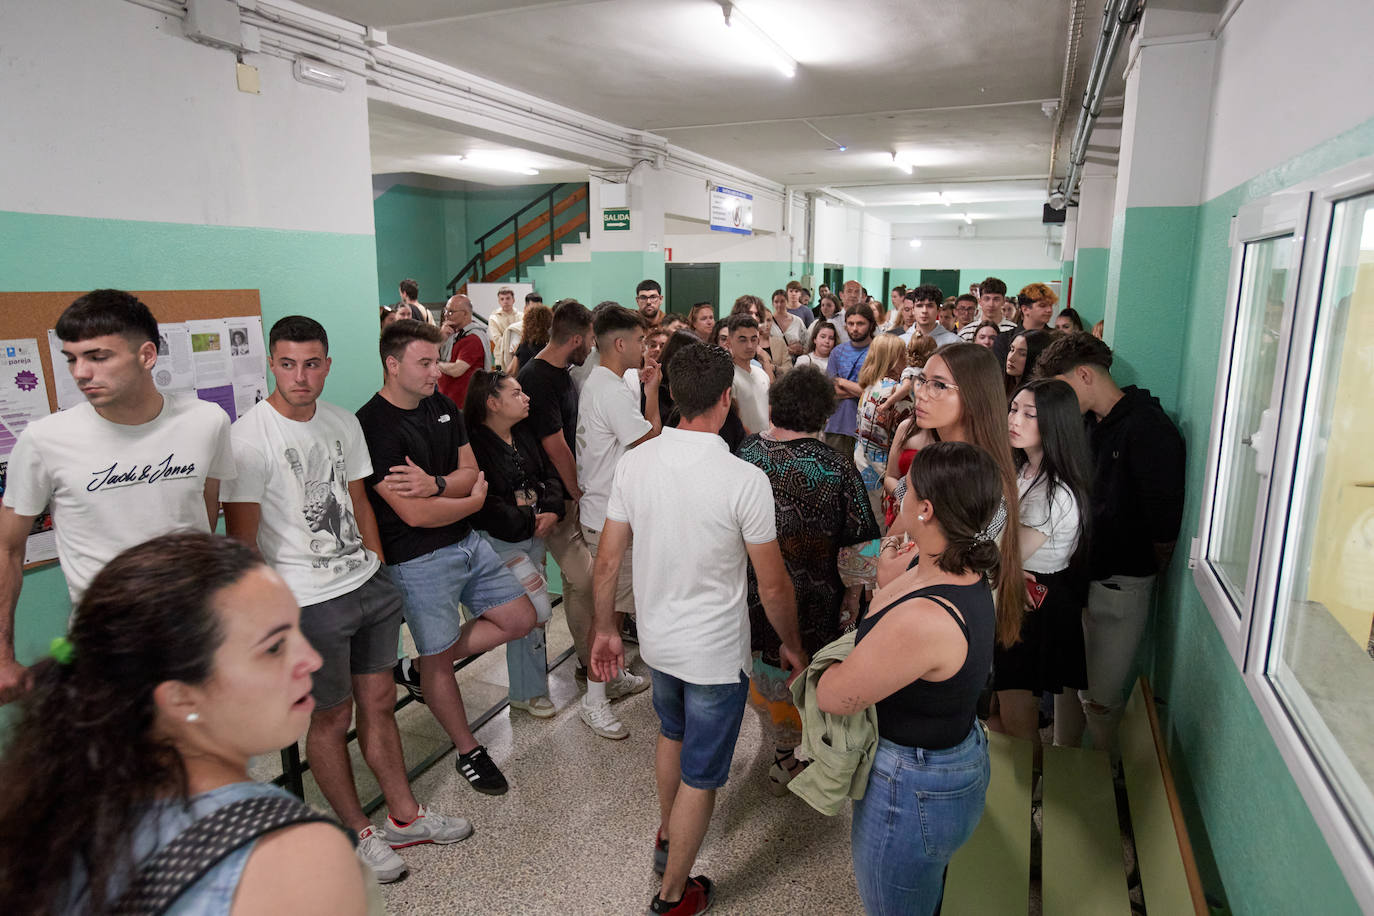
(440, 482)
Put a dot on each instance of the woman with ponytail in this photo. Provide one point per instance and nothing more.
(922, 656)
(184, 660)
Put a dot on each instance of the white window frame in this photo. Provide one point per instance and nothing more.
(1249, 627)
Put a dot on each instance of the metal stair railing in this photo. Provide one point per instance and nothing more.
(475, 270)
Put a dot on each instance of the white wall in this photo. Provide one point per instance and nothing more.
(848, 236)
(124, 81)
(1289, 75)
(1005, 244)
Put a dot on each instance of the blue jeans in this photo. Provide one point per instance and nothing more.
(919, 808)
(705, 719)
(467, 573)
(527, 659)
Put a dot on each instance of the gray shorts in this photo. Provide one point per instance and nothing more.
(356, 633)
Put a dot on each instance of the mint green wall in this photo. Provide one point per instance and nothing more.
(1242, 800)
(327, 276)
(1090, 283)
(415, 238)
(429, 235)
(759, 278)
(608, 275)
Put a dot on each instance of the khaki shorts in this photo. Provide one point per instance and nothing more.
(625, 586)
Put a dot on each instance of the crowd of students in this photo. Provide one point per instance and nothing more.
(923, 473)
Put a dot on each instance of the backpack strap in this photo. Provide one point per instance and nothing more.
(203, 845)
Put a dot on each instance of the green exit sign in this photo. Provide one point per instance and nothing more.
(615, 220)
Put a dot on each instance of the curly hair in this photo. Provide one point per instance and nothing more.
(537, 325)
(801, 400)
(1071, 351)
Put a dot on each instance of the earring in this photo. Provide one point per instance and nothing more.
(920, 518)
(193, 717)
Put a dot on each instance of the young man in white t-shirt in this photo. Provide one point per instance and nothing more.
(499, 322)
(750, 381)
(609, 423)
(126, 466)
(300, 498)
(695, 634)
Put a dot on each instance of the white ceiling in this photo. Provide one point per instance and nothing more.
(407, 141)
(956, 87)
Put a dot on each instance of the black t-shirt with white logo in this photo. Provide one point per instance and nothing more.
(430, 435)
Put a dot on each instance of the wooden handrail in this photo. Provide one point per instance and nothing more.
(529, 254)
(1185, 846)
(535, 224)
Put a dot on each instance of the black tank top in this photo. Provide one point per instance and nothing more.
(938, 714)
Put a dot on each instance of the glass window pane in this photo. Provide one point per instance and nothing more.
(1254, 358)
(1324, 670)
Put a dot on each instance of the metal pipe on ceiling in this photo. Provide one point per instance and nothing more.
(1117, 18)
(1071, 43)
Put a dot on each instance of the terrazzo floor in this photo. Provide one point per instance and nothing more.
(574, 834)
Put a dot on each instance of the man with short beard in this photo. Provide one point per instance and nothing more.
(649, 299)
(843, 366)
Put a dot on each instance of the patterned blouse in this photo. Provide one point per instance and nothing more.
(821, 506)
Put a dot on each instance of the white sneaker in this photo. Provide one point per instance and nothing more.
(625, 684)
(601, 720)
(428, 827)
(541, 707)
(379, 857)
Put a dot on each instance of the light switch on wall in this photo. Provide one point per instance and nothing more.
(248, 79)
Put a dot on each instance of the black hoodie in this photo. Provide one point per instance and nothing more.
(1137, 496)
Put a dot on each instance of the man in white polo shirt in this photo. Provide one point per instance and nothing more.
(126, 466)
(695, 634)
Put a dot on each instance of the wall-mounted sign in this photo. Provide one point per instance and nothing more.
(615, 220)
(732, 211)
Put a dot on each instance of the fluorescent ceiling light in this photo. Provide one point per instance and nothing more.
(902, 163)
(316, 74)
(496, 162)
(915, 243)
(968, 219)
(736, 21)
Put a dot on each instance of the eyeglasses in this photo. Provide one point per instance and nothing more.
(648, 297)
(937, 387)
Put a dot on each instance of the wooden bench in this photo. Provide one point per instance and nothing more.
(1082, 863)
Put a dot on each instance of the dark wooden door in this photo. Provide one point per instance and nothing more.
(688, 284)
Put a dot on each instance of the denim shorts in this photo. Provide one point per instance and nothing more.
(919, 808)
(435, 584)
(706, 719)
(354, 633)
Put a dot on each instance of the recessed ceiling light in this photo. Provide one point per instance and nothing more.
(915, 243)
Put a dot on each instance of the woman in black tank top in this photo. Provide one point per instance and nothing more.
(922, 656)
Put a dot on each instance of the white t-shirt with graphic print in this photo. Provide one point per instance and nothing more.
(113, 485)
(298, 474)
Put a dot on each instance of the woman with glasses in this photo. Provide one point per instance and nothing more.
(960, 398)
(524, 502)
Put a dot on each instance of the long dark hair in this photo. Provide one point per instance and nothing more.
(1066, 458)
(979, 377)
(962, 483)
(86, 761)
(1036, 342)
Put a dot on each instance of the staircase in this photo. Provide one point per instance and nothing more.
(535, 231)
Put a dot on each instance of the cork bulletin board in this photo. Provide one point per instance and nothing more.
(30, 316)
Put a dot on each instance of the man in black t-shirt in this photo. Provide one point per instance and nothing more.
(424, 485)
(553, 420)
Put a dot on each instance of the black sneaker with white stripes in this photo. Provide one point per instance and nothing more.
(406, 674)
(481, 772)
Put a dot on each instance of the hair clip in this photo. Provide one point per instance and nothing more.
(61, 650)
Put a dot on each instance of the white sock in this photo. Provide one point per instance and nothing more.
(596, 692)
